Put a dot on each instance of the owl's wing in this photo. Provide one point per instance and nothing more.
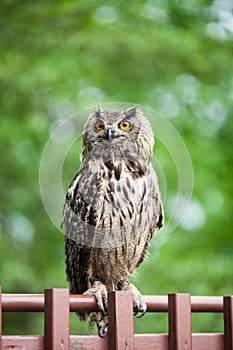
(86, 217)
(77, 263)
(158, 215)
(154, 211)
(77, 253)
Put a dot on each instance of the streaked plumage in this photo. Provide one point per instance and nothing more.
(112, 207)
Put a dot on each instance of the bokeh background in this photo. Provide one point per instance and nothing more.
(58, 57)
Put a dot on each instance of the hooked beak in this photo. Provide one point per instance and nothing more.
(109, 135)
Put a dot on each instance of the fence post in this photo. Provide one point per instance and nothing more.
(120, 315)
(228, 322)
(57, 319)
(180, 322)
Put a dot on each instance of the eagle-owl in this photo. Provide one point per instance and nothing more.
(112, 208)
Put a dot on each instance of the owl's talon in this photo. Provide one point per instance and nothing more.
(103, 331)
(99, 291)
(139, 303)
(101, 309)
(142, 313)
(140, 308)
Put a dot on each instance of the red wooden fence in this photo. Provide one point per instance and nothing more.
(57, 304)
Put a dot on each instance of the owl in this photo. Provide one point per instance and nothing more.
(112, 208)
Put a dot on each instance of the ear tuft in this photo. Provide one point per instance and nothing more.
(133, 110)
(98, 111)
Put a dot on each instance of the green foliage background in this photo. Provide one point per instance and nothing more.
(58, 57)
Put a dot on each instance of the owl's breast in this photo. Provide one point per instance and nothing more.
(124, 225)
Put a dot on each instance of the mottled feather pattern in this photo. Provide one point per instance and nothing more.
(115, 215)
(113, 205)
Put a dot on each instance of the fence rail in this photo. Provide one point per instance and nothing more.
(57, 304)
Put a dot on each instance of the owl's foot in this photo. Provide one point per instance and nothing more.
(139, 306)
(99, 291)
(138, 301)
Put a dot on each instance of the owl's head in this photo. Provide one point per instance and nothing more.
(118, 132)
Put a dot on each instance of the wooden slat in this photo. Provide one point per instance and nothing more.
(228, 322)
(159, 303)
(26, 342)
(22, 302)
(207, 303)
(120, 314)
(180, 327)
(151, 341)
(57, 319)
(208, 341)
(155, 303)
(205, 341)
(88, 342)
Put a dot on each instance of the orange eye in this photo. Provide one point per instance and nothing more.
(124, 125)
(99, 126)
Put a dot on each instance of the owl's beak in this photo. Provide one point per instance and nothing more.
(109, 135)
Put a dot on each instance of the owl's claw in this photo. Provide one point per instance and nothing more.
(138, 301)
(101, 309)
(103, 330)
(142, 313)
(99, 291)
(139, 306)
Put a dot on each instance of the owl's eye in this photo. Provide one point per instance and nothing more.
(124, 125)
(99, 125)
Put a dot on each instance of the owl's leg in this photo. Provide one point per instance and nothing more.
(98, 289)
(138, 301)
